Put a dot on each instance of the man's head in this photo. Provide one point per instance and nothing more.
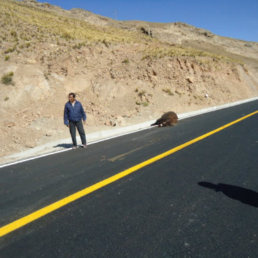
(71, 97)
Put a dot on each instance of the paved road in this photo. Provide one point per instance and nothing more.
(202, 201)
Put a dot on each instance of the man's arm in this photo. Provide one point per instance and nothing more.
(66, 122)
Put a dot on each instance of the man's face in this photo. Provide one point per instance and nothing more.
(71, 98)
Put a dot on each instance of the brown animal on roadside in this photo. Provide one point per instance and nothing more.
(168, 119)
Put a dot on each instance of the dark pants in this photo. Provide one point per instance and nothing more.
(79, 126)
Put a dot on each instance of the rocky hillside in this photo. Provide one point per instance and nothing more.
(123, 72)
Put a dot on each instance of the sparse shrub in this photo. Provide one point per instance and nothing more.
(145, 31)
(7, 78)
(140, 103)
(79, 45)
(6, 58)
(248, 45)
(46, 75)
(105, 43)
(6, 98)
(146, 57)
(14, 34)
(66, 36)
(47, 5)
(10, 50)
(126, 61)
(141, 93)
(168, 91)
(25, 38)
(178, 93)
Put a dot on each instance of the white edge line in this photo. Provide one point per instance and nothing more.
(64, 150)
(181, 117)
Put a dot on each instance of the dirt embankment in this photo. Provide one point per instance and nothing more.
(120, 76)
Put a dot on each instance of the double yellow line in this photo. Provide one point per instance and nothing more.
(56, 205)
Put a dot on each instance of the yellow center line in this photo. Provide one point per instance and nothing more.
(58, 204)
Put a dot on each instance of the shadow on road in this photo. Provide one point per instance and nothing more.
(234, 192)
(64, 145)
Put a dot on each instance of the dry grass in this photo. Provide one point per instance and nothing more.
(23, 26)
(46, 22)
(179, 51)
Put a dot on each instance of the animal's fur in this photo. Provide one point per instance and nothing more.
(167, 119)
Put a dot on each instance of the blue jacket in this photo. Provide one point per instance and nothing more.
(75, 113)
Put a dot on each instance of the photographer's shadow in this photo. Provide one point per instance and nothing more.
(241, 194)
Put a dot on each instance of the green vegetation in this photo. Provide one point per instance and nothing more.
(10, 50)
(79, 45)
(168, 91)
(105, 43)
(14, 34)
(67, 36)
(143, 99)
(179, 51)
(248, 45)
(6, 58)
(126, 61)
(144, 104)
(141, 93)
(7, 78)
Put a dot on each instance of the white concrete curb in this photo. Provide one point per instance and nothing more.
(211, 109)
(100, 136)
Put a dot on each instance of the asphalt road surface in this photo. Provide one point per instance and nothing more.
(201, 201)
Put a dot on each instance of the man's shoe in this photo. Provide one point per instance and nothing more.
(84, 146)
(75, 147)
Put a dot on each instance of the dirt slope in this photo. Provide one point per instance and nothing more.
(123, 72)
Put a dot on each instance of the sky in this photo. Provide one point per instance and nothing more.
(231, 18)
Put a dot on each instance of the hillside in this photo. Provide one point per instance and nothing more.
(123, 72)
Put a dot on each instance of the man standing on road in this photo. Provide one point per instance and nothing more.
(73, 116)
